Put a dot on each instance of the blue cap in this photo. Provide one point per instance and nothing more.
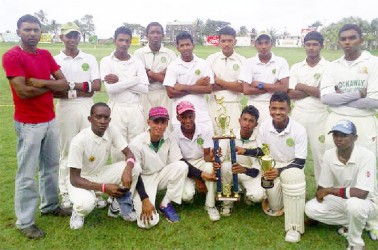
(345, 127)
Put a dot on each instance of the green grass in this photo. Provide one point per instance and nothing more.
(247, 228)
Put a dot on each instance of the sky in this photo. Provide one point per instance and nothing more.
(289, 15)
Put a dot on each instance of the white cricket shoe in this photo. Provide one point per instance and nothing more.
(76, 221)
(66, 202)
(226, 208)
(114, 211)
(213, 213)
(100, 202)
(292, 236)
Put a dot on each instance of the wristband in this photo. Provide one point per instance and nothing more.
(132, 160)
(72, 94)
(260, 85)
(347, 192)
(342, 192)
(89, 87)
(85, 86)
(103, 187)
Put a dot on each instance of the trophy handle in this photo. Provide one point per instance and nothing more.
(274, 163)
(260, 162)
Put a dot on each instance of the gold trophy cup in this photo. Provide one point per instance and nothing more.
(223, 121)
(266, 163)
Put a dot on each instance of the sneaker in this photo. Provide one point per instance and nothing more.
(226, 208)
(292, 236)
(59, 211)
(373, 233)
(100, 202)
(114, 211)
(76, 221)
(66, 202)
(33, 232)
(213, 213)
(343, 231)
(170, 213)
(109, 200)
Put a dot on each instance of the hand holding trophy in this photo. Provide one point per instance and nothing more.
(266, 163)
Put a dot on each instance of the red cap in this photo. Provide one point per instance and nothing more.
(184, 106)
(158, 112)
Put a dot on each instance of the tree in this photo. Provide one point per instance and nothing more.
(199, 31)
(273, 33)
(42, 17)
(53, 27)
(86, 26)
(243, 31)
(136, 28)
(316, 25)
(212, 26)
(374, 30)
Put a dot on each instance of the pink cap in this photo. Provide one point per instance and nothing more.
(158, 112)
(184, 106)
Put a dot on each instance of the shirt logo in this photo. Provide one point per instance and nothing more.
(85, 66)
(290, 142)
(364, 70)
(197, 72)
(200, 141)
(317, 76)
(163, 59)
(236, 67)
(274, 71)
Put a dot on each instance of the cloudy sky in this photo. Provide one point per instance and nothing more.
(291, 15)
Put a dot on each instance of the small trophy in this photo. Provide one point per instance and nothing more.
(266, 163)
(224, 190)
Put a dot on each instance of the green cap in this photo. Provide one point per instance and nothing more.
(69, 27)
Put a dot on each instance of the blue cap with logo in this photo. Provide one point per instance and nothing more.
(345, 127)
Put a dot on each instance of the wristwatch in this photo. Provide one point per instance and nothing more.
(260, 85)
(71, 85)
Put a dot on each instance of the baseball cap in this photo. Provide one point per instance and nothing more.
(262, 34)
(184, 106)
(69, 27)
(158, 112)
(345, 127)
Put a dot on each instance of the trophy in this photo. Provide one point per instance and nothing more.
(225, 192)
(266, 163)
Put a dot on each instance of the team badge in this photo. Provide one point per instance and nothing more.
(197, 72)
(236, 67)
(85, 66)
(364, 70)
(317, 76)
(367, 174)
(290, 142)
(91, 158)
(163, 59)
(321, 138)
(200, 141)
(274, 71)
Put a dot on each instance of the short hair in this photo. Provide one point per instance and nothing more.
(252, 110)
(28, 19)
(227, 31)
(98, 104)
(314, 35)
(182, 36)
(351, 26)
(122, 30)
(154, 24)
(280, 96)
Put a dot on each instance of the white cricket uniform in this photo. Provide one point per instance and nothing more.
(289, 187)
(348, 78)
(310, 111)
(161, 170)
(124, 95)
(193, 151)
(254, 70)
(156, 62)
(359, 172)
(188, 73)
(252, 185)
(228, 69)
(90, 153)
(72, 114)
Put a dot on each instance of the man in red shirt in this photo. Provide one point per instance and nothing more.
(28, 70)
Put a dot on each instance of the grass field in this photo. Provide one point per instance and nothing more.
(247, 228)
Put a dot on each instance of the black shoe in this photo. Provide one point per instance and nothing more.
(59, 211)
(33, 232)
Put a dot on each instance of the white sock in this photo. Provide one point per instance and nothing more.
(165, 201)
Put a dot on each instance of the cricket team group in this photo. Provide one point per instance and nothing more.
(155, 133)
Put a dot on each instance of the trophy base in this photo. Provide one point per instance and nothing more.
(266, 183)
(225, 198)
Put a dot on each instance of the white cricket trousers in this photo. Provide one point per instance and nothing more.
(352, 213)
(84, 201)
(170, 178)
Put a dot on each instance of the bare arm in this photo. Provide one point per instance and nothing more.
(221, 84)
(173, 93)
(249, 89)
(280, 85)
(127, 172)
(354, 192)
